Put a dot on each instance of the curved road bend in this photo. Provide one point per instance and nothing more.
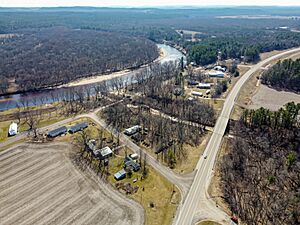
(183, 182)
(197, 202)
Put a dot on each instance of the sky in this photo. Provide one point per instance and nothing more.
(141, 3)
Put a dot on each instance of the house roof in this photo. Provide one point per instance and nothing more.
(57, 131)
(120, 174)
(105, 151)
(78, 127)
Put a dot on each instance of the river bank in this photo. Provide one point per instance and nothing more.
(49, 95)
(103, 77)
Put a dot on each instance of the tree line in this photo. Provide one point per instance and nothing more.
(241, 44)
(284, 75)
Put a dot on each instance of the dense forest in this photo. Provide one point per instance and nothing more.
(284, 75)
(240, 44)
(37, 59)
(217, 33)
(261, 172)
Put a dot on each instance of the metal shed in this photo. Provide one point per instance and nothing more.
(78, 127)
(120, 175)
(57, 132)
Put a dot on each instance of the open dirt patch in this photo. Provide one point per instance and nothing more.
(40, 185)
(272, 99)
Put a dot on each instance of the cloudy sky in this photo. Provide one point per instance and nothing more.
(140, 3)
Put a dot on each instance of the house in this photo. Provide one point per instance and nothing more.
(120, 175)
(92, 145)
(78, 127)
(204, 86)
(217, 74)
(13, 129)
(105, 152)
(196, 93)
(220, 68)
(57, 132)
(132, 130)
(130, 164)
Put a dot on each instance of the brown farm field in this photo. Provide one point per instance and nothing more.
(40, 185)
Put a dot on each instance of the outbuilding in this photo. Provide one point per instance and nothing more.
(204, 86)
(57, 132)
(78, 127)
(220, 68)
(196, 93)
(217, 74)
(120, 175)
(134, 156)
(13, 129)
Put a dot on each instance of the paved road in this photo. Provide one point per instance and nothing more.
(197, 205)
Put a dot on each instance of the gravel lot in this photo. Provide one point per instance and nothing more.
(272, 99)
(40, 185)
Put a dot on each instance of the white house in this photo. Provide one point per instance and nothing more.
(105, 152)
(220, 68)
(196, 93)
(13, 129)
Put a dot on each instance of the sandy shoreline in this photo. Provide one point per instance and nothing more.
(99, 78)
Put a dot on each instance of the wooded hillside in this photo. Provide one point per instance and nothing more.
(37, 59)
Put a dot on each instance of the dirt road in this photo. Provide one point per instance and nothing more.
(40, 185)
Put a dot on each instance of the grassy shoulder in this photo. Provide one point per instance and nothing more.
(155, 193)
(214, 189)
(188, 164)
(208, 223)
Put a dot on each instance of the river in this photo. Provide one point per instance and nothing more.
(48, 96)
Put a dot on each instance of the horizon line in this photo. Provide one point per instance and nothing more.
(150, 6)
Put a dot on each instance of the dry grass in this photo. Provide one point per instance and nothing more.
(248, 90)
(208, 223)
(214, 189)
(188, 165)
(154, 189)
(46, 120)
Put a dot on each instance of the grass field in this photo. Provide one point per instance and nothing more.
(40, 185)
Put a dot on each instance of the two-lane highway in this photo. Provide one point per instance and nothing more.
(197, 200)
